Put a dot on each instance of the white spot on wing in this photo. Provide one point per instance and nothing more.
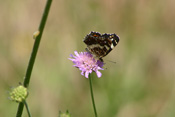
(112, 46)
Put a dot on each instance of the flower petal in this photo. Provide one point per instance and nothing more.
(71, 55)
(99, 74)
(76, 53)
(87, 74)
(82, 73)
(99, 63)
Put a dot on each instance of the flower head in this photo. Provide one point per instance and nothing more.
(87, 63)
(19, 94)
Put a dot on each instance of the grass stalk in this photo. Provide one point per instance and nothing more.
(34, 53)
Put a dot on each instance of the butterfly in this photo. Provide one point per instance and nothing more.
(100, 45)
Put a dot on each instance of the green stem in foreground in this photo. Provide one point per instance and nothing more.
(27, 108)
(34, 53)
(92, 96)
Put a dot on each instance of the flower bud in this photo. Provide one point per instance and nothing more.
(67, 114)
(35, 34)
(19, 94)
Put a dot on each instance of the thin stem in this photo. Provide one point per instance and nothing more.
(34, 53)
(92, 96)
(27, 108)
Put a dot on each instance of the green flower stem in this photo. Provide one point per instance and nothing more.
(27, 108)
(34, 53)
(92, 96)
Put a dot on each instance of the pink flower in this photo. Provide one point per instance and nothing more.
(87, 63)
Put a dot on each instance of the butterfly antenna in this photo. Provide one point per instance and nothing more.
(112, 61)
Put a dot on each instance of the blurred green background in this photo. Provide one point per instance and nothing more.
(140, 84)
